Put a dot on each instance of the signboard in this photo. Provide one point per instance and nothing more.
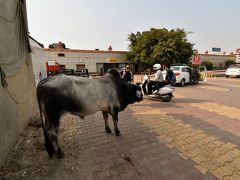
(112, 60)
(214, 49)
(51, 63)
(196, 59)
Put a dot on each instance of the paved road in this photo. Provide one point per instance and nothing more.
(196, 136)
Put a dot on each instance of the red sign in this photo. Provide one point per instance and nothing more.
(52, 68)
(196, 59)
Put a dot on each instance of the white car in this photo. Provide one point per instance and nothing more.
(233, 70)
(182, 74)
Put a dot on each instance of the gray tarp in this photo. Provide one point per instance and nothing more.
(14, 42)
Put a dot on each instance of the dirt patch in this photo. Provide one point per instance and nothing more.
(20, 163)
(28, 159)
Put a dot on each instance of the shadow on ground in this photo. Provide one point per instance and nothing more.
(90, 153)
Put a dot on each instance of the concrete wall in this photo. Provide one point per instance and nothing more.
(38, 63)
(17, 106)
(217, 60)
(89, 59)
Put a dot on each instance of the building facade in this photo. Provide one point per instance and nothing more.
(39, 68)
(96, 61)
(58, 58)
(218, 60)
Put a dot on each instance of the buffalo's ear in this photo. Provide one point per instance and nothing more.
(138, 94)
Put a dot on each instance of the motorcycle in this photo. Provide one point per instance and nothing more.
(165, 93)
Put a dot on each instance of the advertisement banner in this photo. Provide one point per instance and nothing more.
(196, 59)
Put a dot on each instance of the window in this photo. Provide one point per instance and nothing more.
(61, 55)
(80, 67)
(62, 67)
(174, 68)
(189, 69)
(185, 70)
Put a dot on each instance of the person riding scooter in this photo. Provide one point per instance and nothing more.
(157, 80)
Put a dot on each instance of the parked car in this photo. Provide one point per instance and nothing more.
(233, 70)
(183, 74)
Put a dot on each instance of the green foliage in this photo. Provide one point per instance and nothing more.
(159, 46)
(229, 62)
(195, 66)
(208, 64)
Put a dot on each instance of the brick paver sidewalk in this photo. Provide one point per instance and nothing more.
(188, 138)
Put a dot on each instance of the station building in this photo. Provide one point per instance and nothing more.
(96, 61)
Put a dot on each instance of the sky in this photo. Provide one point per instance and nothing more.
(91, 24)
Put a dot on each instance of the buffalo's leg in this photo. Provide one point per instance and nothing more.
(47, 138)
(105, 117)
(115, 122)
(48, 144)
(51, 127)
(53, 131)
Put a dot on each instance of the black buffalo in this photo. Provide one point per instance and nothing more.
(81, 96)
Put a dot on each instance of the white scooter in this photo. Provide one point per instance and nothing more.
(165, 93)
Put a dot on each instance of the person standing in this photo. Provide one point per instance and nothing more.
(126, 74)
(170, 76)
(40, 76)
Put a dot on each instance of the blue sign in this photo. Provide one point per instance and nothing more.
(216, 49)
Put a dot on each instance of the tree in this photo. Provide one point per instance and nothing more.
(208, 64)
(159, 46)
(229, 62)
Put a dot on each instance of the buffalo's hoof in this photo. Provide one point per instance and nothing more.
(117, 132)
(60, 154)
(50, 156)
(108, 130)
